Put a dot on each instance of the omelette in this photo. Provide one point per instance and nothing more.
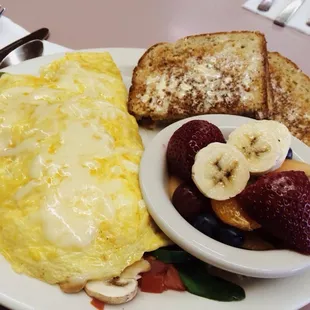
(71, 206)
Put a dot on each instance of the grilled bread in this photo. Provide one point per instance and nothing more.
(209, 73)
(291, 92)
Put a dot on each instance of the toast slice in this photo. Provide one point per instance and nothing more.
(203, 74)
(291, 92)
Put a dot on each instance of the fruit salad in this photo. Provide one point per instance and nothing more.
(247, 191)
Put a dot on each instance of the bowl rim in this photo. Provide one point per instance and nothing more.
(153, 177)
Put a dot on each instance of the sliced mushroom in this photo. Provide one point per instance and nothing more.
(121, 289)
(73, 285)
(133, 271)
(113, 292)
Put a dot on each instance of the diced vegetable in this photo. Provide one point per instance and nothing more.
(99, 305)
(173, 280)
(186, 274)
(157, 266)
(161, 277)
(152, 283)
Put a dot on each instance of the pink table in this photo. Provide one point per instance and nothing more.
(141, 23)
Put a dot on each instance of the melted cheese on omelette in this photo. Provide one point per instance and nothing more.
(70, 203)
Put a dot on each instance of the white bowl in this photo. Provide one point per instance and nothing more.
(153, 180)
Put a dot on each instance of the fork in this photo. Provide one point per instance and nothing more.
(265, 5)
(2, 9)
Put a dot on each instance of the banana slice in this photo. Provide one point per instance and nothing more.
(283, 136)
(260, 145)
(220, 171)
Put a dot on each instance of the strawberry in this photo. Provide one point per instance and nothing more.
(280, 202)
(186, 142)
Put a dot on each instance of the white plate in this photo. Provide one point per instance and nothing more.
(259, 264)
(22, 293)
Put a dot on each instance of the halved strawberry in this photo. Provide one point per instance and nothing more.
(280, 202)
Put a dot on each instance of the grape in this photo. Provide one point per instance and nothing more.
(189, 202)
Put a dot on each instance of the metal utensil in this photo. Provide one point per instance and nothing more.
(265, 5)
(2, 9)
(288, 12)
(39, 34)
(26, 51)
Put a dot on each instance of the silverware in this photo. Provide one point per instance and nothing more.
(24, 52)
(2, 9)
(288, 12)
(265, 5)
(40, 34)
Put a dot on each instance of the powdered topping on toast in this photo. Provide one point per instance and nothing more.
(219, 73)
(206, 82)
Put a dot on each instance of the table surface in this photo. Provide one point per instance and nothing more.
(141, 23)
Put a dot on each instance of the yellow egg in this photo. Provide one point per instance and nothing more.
(70, 202)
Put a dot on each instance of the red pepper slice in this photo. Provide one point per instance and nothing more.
(173, 281)
(158, 267)
(99, 305)
(152, 283)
